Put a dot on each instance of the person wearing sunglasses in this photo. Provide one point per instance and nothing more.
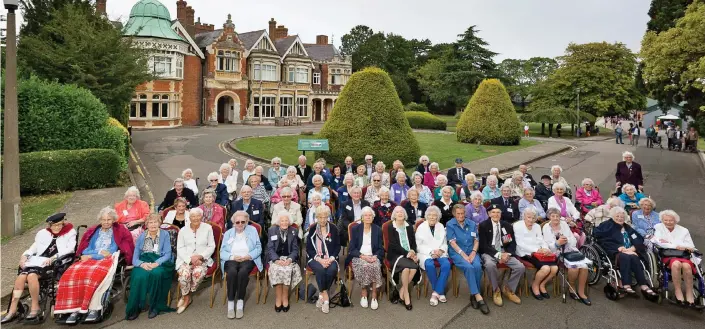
(289, 206)
(423, 166)
(372, 193)
(240, 252)
(221, 191)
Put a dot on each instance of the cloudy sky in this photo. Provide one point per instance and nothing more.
(513, 28)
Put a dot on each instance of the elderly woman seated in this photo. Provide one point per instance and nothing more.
(425, 194)
(445, 204)
(365, 255)
(441, 182)
(292, 180)
(432, 249)
(212, 212)
(401, 254)
(195, 246)
(544, 190)
(289, 206)
(517, 184)
(253, 207)
(529, 201)
(384, 176)
(475, 211)
(423, 166)
(631, 197)
(622, 244)
(495, 172)
(567, 209)
(319, 188)
(429, 178)
(322, 250)
(532, 248)
(189, 182)
(588, 196)
(276, 172)
(318, 169)
(343, 193)
(233, 168)
(264, 181)
(239, 254)
(415, 209)
(602, 213)
(226, 178)
(82, 286)
(462, 236)
(150, 279)
(644, 219)
(220, 190)
(179, 191)
(492, 190)
(383, 207)
(399, 189)
(50, 244)
(556, 177)
(336, 180)
(372, 193)
(248, 171)
(259, 192)
(471, 185)
(132, 212)
(669, 235)
(283, 256)
(361, 180)
(560, 239)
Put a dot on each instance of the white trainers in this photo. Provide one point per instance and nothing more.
(319, 302)
(442, 298)
(363, 302)
(325, 307)
(374, 304)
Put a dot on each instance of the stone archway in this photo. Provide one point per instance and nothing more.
(227, 107)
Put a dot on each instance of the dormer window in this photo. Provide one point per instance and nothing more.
(228, 61)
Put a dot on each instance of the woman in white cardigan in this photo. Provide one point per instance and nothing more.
(568, 212)
(559, 238)
(58, 239)
(669, 235)
(532, 248)
(431, 246)
(194, 250)
(226, 177)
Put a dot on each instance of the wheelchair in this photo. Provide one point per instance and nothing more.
(663, 277)
(604, 267)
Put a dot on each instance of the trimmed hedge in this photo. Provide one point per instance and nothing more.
(424, 120)
(490, 117)
(368, 119)
(416, 107)
(62, 170)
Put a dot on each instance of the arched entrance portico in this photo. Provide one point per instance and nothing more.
(228, 107)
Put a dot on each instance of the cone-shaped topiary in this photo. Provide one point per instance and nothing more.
(489, 117)
(368, 118)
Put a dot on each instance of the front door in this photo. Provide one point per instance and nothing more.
(224, 105)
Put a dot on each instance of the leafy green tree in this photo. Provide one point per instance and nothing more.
(351, 42)
(402, 88)
(379, 127)
(664, 14)
(37, 13)
(400, 55)
(77, 47)
(366, 47)
(489, 117)
(521, 76)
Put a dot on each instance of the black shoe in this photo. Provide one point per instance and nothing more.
(586, 301)
(483, 307)
(33, 315)
(408, 307)
(7, 318)
(92, 316)
(545, 295)
(152, 314)
(285, 308)
(538, 297)
(474, 302)
(277, 308)
(133, 316)
(72, 319)
(574, 296)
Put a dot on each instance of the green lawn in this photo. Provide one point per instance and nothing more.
(441, 148)
(36, 208)
(701, 144)
(451, 121)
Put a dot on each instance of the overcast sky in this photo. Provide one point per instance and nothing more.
(513, 28)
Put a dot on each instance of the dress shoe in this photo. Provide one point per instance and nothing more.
(285, 308)
(474, 302)
(7, 318)
(511, 296)
(545, 295)
(72, 319)
(277, 308)
(497, 298)
(484, 308)
(152, 314)
(538, 297)
(574, 296)
(92, 316)
(409, 306)
(586, 301)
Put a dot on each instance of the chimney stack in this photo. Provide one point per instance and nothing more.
(201, 28)
(100, 7)
(282, 32)
(321, 39)
(272, 29)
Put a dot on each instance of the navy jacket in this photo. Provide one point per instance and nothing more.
(187, 194)
(609, 236)
(331, 243)
(508, 216)
(292, 240)
(221, 195)
(356, 242)
(412, 214)
(486, 237)
(256, 211)
(626, 176)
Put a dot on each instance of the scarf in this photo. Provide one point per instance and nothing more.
(208, 212)
(282, 235)
(561, 203)
(320, 241)
(403, 238)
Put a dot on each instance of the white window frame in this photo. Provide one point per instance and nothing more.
(302, 107)
(162, 65)
(301, 75)
(269, 72)
(286, 106)
(264, 107)
(165, 107)
(257, 71)
(138, 107)
(292, 74)
(179, 67)
(316, 78)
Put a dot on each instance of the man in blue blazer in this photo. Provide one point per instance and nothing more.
(247, 203)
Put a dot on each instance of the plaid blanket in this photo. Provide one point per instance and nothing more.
(78, 284)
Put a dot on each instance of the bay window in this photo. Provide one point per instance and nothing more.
(302, 106)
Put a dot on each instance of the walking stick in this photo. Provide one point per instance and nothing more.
(562, 261)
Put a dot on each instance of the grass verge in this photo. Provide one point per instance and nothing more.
(36, 209)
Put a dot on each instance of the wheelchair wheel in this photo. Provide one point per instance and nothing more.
(594, 270)
(610, 292)
(651, 265)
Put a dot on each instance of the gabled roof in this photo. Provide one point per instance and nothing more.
(321, 52)
(249, 39)
(177, 26)
(284, 44)
(205, 39)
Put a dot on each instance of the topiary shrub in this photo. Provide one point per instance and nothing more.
(489, 117)
(63, 170)
(416, 107)
(115, 123)
(424, 120)
(368, 119)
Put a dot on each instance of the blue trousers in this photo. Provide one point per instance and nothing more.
(629, 264)
(324, 276)
(438, 281)
(618, 139)
(472, 272)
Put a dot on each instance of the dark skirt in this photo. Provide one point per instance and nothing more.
(39, 271)
(537, 263)
(403, 264)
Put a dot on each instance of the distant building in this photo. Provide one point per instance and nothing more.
(211, 76)
(653, 111)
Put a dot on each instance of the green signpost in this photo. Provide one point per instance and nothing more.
(313, 145)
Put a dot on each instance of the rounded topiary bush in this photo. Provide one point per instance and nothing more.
(416, 107)
(489, 117)
(368, 118)
(424, 120)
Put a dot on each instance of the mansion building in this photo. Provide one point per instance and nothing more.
(211, 76)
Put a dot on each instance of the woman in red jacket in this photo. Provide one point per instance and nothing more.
(132, 212)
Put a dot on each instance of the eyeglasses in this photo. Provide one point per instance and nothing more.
(286, 196)
(376, 180)
(240, 222)
(276, 163)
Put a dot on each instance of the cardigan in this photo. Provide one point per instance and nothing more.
(610, 237)
(218, 215)
(488, 193)
(121, 236)
(587, 200)
(65, 242)
(429, 179)
(643, 224)
(294, 211)
(395, 251)
(633, 176)
(356, 238)
(414, 214)
(164, 248)
(550, 238)
(142, 209)
(274, 239)
(569, 207)
(331, 244)
(398, 193)
(427, 241)
(186, 193)
(446, 210)
(476, 215)
(254, 245)
(680, 236)
(95, 253)
(523, 204)
(437, 194)
(274, 177)
(221, 194)
(189, 244)
(230, 183)
(625, 198)
(528, 241)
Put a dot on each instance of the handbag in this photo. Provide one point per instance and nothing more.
(573, 256)
(674, 253)
(341, 298)
(544, 258)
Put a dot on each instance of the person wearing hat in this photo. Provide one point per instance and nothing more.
(57, 240)
(498, 246)
(544, 191)
(510, 208)
(456, 176)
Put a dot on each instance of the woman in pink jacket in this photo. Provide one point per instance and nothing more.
(588, 196)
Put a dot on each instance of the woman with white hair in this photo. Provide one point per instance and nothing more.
(314, 202)
(249, 170)
(429, 178)
(228, 180)
(441, 182)
(383, 207)
(475, 211)
(567, 209)
(132, 212)
(289, 206)
(283, 255)
(318, 169)
(423, 166)
(432, 248)
(669, 235)
(471, 185)
(629, 172)
(399, 189)
(372, 193)
(631, 197)
(344, 193)
(492, 190)
(292, 180)
(529, 201)
(602, 213)
(318, 187)
(240, 253)
(189, 182)
(179, 191)
(365, 255)
(517, 184)
(212, 212)
(495, 172)
(380, 169)
(532, 248)
(645, 218)
(556, 177)
(361, 179)
(276, 172)
(195, 246)
(445, 204)
(401, 254)
(233, 168)
(425, 194)
(588, 196)
(220, 191)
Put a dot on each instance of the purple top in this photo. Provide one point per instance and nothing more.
(476, 215)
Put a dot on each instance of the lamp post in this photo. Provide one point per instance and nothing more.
(578, 118)
(11, 211)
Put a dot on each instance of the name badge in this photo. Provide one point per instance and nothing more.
(475, 214)
(345, 193)
(274, 238)
(387, 205)
(156, 247)
(510, 210)
(473, 234)
(398, 192)
(504, 231)
(336, 180)
(124, 212)
(262, 184)
(348, 207)
(418, 213)
(640, 216)
(231, 240)
(633, 236)
(256, 212)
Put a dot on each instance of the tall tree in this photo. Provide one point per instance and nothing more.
(664, 14)
(77, 47)
(521, 76)
(400, 55)
(352, 41)
(36, 13)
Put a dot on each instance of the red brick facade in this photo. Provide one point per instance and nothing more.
(191, 96)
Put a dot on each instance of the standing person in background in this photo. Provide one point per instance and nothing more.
(618, 134)
(558, 130)
(636, 132)
(302, 169)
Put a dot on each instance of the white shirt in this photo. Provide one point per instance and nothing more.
(191, 183)
(366, 248)
(65, 244)
(427, 241)
(171, 216)
(245, 175)
(528, 241)
(239, 247)
(189, 243)
(680, 236)
(550, 238)
(526, 127)
(230, 182)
